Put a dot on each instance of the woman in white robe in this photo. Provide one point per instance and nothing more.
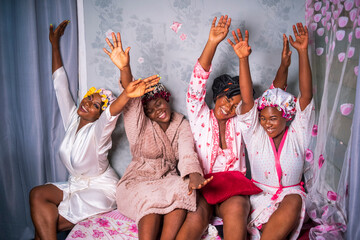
(91, 186)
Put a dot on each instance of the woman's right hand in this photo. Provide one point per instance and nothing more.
(141, 86)
(117, 55)
(54, 36)
(241, 46)
(219, 32)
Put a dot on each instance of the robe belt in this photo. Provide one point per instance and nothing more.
(280, 189)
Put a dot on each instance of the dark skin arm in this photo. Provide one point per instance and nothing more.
(54, 37)
(243, 50)
(305, 79)
(282, 73)
(217, 34)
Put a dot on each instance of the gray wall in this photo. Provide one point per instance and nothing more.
(157, 49)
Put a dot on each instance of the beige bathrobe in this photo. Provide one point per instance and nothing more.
(156, 180)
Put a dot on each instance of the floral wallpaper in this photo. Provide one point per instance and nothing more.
(167, 36)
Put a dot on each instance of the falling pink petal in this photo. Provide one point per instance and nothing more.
(321, 160)
(317, 17)
(346, 108)
(309, 12)
(350, 37)
(341, 56)
(323, 21)
(176, 26)
(356, 70)
(332, 196)
(319, 51)
(336, 14)
(353, 14)
(309, 156)
(348, 4)
(340, 35)
(326, 39)
(140, 60)
(313, 26)
(183, 37)
(328, 26)
(323, 11)
(314, 130)
(343, 21)
(320, 31)
(351, 52)
(357, 32)
(108, 33)
(317, 6)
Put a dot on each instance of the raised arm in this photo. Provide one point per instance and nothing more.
(280, 80)
(54, 37)
(217, 34)
(120, 58)
(305, 80)
(243, 50)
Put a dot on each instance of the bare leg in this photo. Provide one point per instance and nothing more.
(44, 213)
(196, 222)
(234, 212)
(284, 219)
(172, 224)
(149, 227)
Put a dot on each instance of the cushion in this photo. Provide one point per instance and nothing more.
(227, 184)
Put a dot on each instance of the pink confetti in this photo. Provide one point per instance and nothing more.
(176, 26)
(356, 70)
(348, 4)
(332, 196)
(341, 56)
(323, 21)
(317, 6)
(351, 52)
(340, 35)
(343, 21)
(321, 160)
(183, 37)
(140, 60)
(336, 14)
(323, 11)
(319, 51)
(353, 14)
(328, 26)
(313, 26)
(309, 156)
(317, 17)
(320, 31)
(309, 12)
(108, 33)
(346, 108)
(328, 16)
(327, 5)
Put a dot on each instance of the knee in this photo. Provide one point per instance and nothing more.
(200, 217)
(238, 206)
(295, 203)
(35, 194)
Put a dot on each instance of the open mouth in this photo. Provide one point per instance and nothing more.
(82, 108)
(270, 130)
(162, 115)
(223, 111)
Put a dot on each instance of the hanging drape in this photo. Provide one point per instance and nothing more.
(31, 127)
(335, 41)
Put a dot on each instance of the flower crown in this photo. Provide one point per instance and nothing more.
(106, 96)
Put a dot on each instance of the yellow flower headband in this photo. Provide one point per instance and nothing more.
(106, 96)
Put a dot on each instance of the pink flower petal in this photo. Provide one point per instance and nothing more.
(353, 14)
(320, 31)
(346, 108)
(176, 26)
(328, 26)
(332, 196)
(140, 60)
(314, 130)
(313, 26)
(319, 51)
(317, 17)
(183, 37)
(336, 14)
(323, 11)
(321, 160)
(356, 70)
(341, 56)
(328, 16)
(340, 35)
(309, 156)
(357, 32)
(309, 12)
(317, 6)
(350, 37)
(323, 21)
(351, 52)
(335, 2)
(348, 4)
(343, 21)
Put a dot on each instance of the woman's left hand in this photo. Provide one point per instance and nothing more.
(301, 37)
(141, 86)
(241, 46)
(117, 55)
(197, 181)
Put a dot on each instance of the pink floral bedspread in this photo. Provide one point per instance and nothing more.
(113, 225)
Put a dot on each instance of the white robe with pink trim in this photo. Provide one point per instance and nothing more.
(205, 129)
(267, 164)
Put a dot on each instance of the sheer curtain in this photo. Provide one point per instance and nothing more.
(335, 33)
(31, 124)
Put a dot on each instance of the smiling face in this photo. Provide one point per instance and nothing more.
(225, 107)
(273, 122)
(90, 108)
(158, 110)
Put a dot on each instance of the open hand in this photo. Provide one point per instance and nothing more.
(54, 36)
(286, 53)
(241, 47)
(301, 37)
(117, 55)
(219, 32)
(197, 181)
(141, 86)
